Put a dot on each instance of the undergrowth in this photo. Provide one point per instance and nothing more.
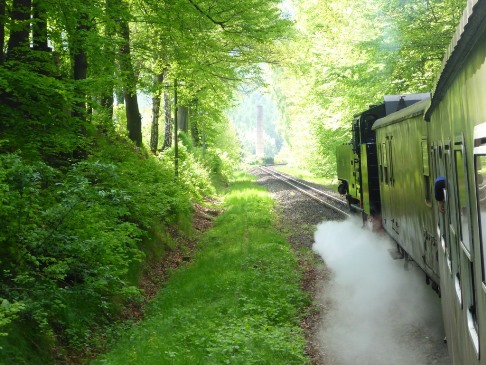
(74, 240)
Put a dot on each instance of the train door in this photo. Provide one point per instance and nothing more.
(356, 180)
(442, 164)
(458, 217)
(355, 188)
(450, 276)
(453, 226)
(428, 165)
(383, 174)
(480, 197)
(480, 169)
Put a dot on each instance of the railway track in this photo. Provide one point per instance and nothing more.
(336, 204)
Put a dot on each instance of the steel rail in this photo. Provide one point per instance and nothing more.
(287, 179)
(320, 192)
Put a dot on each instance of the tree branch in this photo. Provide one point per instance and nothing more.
(220, 23)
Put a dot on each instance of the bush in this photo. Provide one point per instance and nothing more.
(193, 175)
(69, 238)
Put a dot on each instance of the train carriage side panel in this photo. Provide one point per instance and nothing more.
(458, 131)
(405, 184)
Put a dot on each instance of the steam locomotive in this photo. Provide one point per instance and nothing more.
(417, 165)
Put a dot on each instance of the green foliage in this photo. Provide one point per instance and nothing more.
(8, 312)
(70, 238)
(34, 116)
(77, 203)
(186, 141)
(345, 56)
(220, 164)
(193, 176)
(238, 302)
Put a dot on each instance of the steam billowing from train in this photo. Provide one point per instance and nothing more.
(375, 313)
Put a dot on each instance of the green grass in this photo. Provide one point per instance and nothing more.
(238, 301)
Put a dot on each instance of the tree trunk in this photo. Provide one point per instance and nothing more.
(80, 63)
(39, 26)
(154, 132)
(18, 43)
(2, 28)
(168, 122)
(134, 119)
(42, 55)
(183, 118)
(107, 99)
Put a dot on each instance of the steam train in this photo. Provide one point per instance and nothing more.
(417, 165)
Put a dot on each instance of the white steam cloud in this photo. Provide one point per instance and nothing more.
(377, 313)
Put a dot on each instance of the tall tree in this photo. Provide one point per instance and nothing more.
(2, 28)
(214, 46)
(39, 26)
(78, 47)
(134, 119)
(154, 131)
(108, 63)
(18, 43)
(167, 122)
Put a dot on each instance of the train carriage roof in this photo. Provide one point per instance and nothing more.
(471, 26)
(403, 114)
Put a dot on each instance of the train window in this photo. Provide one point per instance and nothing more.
(463, 206)
(355, 133)
(447, 233)
(425, 156)
(457, 285)
(480, 166)
(385, 162)
(449, 202)
(433, 165)
(380, 162)
(425, 163)
(390, 161)
(472, 315)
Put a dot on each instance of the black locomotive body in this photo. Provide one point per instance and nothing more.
(357, 162)
(441, 226)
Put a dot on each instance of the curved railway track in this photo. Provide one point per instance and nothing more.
(337, 205)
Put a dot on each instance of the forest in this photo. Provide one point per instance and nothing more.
(93, 180)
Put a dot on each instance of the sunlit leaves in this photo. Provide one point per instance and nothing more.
(349, 54)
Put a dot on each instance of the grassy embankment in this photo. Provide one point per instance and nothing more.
(238, 302)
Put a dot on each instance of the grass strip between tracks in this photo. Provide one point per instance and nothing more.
(238, 302)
